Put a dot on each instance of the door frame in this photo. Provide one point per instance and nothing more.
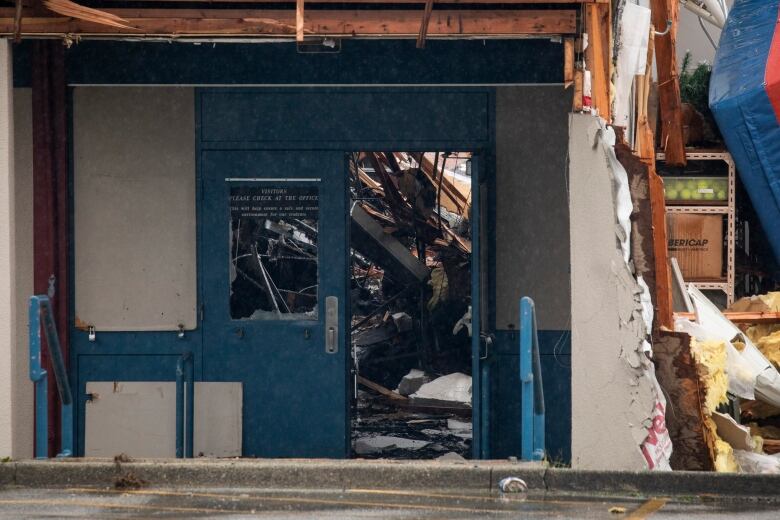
(115, 346)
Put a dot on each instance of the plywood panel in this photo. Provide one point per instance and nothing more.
(136, 418)
(218, 419)
(134, 191)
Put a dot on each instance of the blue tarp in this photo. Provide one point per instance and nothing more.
(740, 101)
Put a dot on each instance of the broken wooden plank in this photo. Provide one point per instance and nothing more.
(568, 62)
(663, 274)
(320, 22)
(664, 15)
(386, 2)
(645, 138)
(87, 14)
(739, 317)
(299, 20)
(426, 20)
(576, 105)
(376, 387)
(597, 55)
(675, 368)
(771, 446)
(448, 188)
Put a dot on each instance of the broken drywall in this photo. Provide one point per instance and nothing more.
(617, 406)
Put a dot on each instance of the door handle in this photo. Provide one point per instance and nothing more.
(331, 324)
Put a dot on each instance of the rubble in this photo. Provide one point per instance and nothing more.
(412, 382)
(446, 390)
(380, 443)
(730, 361)
(411, 295)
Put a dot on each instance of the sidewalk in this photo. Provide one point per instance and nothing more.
(476, 476)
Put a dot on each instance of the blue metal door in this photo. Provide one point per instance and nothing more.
(273, 246)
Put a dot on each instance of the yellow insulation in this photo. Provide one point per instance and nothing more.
(711, 358)
(724, 458)
(771, 300)
(770, 347)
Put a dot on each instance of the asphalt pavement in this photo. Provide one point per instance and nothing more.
(179, 502)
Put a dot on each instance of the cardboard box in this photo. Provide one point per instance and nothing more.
(696, 241)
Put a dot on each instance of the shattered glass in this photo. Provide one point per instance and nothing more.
(273, 252)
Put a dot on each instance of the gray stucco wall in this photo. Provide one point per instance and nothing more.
(532, 215)
(23, 258)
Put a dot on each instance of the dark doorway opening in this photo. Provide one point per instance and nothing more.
(410, 283)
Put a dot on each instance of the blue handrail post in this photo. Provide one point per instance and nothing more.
(38, 377)
(40, 313)
(532, 397)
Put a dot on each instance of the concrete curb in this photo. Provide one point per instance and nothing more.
(481, 476)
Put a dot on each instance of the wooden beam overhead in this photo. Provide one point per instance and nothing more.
(299, 20)
(376, 2)
(666, 12)
(568, 62)
(598, 23)
(320, 22)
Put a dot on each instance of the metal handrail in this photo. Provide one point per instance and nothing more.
(185, 406)
(41, 313)
(532, 397)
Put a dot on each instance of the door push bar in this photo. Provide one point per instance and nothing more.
(41, 313)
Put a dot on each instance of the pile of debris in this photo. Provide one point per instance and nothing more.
(723, 381)
(762, 418)
(410, 294)
(423, 419)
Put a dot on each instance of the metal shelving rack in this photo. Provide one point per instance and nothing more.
(728, 210)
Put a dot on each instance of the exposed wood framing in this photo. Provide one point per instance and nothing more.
(426, 20)
(664, 11)
(18, 21)
(684, 389)
(663, 274)
(578, 90)
(568, 62)
(645, 142)
(74, 10)
(598, 23)
(740, 317)
(299, 20)
(321, 22)
(374, 2)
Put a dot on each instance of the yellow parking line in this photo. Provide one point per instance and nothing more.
(647, 509)
(55, 502)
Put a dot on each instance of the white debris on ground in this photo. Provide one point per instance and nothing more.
(423, 428)
(380, 443)
(452, 388)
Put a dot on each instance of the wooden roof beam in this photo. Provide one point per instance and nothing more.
(320, 22)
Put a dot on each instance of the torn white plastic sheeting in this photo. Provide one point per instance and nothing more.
(453, 388)
(620, 189)
(631, 58)
(750, 462)
(767, 387)
(741, 373)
